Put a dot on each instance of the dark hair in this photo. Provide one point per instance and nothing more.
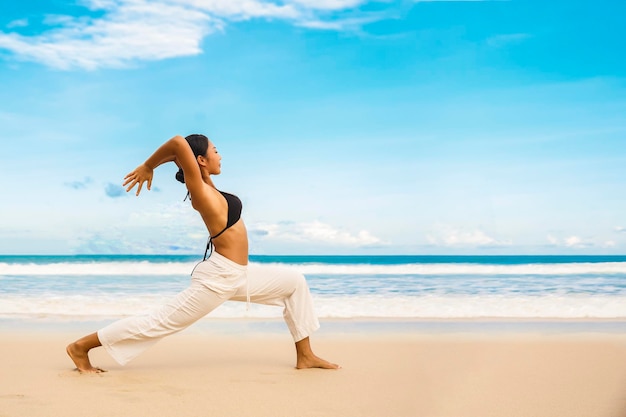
(199, 145)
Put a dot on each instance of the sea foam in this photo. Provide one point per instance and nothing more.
(138, 268)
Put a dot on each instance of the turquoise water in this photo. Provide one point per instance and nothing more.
(87, 287)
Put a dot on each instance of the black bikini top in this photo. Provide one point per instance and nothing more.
(234, 214)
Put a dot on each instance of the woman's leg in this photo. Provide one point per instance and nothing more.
(128, 338)
(287, 288)
(213, 282)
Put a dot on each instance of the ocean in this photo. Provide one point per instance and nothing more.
(100, 287)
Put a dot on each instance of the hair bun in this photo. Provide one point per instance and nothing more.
(180, 175)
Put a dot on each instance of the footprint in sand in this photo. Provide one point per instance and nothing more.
(12, 396)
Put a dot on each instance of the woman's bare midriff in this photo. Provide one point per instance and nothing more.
(233, 243)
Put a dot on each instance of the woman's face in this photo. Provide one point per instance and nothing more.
(214, 160)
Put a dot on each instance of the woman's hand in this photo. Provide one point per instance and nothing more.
(140, 175)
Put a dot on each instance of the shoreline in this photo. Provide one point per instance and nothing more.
(333, 326)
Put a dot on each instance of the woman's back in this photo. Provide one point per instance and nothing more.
(222, 216)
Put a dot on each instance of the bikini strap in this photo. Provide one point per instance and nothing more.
(209, 244)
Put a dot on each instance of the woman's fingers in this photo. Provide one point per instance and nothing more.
(129, 178)
(133, 178)
(132, 182)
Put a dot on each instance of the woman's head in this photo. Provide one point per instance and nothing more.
(199, 144)
(202, 150)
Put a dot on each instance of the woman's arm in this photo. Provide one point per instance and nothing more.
(177, 150)
(164, 161)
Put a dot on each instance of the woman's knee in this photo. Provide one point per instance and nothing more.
(275, 280)
(298, 280)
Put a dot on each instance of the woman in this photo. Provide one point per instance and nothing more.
(225, 275)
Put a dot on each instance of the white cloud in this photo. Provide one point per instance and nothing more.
(242, 9)
(130, 30)
(620, 229)
(176, 228)
(338, 24)
(318, 24)
(553, 240)
(142, 30)
(328, 4)
(452, 237)
(314, 232)
(20, 23)
(576, 242)
(173, 228)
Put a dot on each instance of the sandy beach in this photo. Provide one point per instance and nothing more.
(403, 372)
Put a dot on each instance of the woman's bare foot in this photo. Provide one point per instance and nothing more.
(79, 353)
(312, 361)
(307, 359)
(81, 360)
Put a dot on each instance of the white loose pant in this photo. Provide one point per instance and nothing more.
(213, 282)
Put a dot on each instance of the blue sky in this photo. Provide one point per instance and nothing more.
(345, 126)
